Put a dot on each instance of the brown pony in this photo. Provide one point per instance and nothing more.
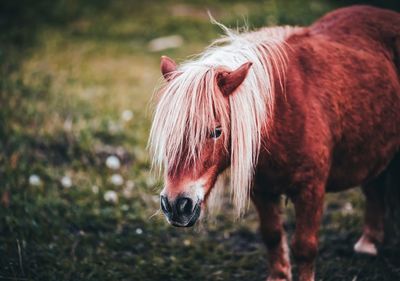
(291, 111)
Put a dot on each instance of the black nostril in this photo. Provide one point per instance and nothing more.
(165, 206)
(184, 206)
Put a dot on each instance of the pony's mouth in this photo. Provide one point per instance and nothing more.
(186, 221)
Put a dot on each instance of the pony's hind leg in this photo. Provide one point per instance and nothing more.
(272, 232)
(373, 230)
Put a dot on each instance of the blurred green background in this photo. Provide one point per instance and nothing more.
(77, 198)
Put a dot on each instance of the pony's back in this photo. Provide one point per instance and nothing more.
(364, 28)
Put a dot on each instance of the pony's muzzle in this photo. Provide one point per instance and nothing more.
(182, 212)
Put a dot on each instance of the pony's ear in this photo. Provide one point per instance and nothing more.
(168, 66)
(228, 81)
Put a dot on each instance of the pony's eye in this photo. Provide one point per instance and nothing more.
(216, 133)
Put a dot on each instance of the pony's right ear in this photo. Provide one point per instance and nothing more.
(229, 81)
(168, 66)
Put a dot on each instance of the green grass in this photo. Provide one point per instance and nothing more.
(68, 71)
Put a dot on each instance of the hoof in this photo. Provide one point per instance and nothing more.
(365, 246)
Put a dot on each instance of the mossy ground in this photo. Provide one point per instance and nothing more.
(68, 71)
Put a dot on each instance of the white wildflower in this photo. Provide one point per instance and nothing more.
(113, 163)
(66, 182)
(347, 209)
(127, 115)
(95, 189)
(127, 191)
(117, 179)
(34, 180)
(111, 196)
(139, 231)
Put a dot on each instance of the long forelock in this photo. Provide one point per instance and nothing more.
(189, 105)
(188, 109)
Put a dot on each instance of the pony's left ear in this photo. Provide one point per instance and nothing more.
(168, 66)
(228, 81)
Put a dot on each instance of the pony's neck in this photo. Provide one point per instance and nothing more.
(252, 106)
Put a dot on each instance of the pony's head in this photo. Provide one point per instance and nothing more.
(211, 114)
(193, 131)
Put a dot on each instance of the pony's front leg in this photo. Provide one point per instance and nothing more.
(308, 203)
(272, 232)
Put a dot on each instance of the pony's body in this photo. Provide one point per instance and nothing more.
(342, 101)
(330, 102)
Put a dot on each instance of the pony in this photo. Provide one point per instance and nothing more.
(290, 111)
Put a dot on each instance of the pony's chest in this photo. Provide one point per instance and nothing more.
(277, 177)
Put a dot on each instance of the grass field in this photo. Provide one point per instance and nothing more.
(76, 80)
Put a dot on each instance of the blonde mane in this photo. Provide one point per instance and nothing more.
(189, 105)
